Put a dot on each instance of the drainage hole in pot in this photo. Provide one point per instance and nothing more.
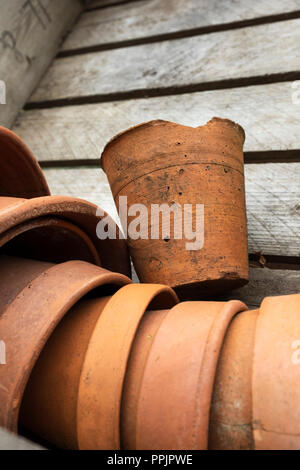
(180, 193)
(181, 171)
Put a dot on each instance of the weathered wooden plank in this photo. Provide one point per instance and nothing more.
(31, 32)
(9, 441)
(257, 51)
(266, 282)
(266, 112)
(148, 18)
(263, 282)
(272, 194)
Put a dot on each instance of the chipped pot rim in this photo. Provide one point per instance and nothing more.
(163, 122)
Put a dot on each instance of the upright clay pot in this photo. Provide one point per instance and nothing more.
(73, 398)
(163, 162)
(56, 229)
(20, 173)
(175, 394)
(38, 297)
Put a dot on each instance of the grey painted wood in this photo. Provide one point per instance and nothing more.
(272, 196)
(267, 113)
(263, 282)
(9, 441)
(256, 51)
(31, 33)
(266, 282)
(148, 18)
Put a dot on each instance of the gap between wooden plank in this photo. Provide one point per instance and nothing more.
(114, 3)
(261, 54)
(269, 114)
(154, 18)
(166, 91)
(180, 34)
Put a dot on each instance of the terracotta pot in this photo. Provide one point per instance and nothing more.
(141, 348)
(276, 374)
(163, 162)
(25, 224)
(73, 399)
(175, 394)
(40, 298)
(20, 173)
(231, 407)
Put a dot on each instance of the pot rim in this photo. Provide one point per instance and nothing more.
(70, 281)
(199, 409)
(72, 209)
(163, 122)
(112, 340)
(24, 163)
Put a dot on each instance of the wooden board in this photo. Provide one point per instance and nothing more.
(272, 194)
(263, 282)
(266, 112)
(151, 18)
(31, 32)
(247, 52)
(9, 441)
(266, 282)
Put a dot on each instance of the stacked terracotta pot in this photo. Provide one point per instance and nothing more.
(96, 362)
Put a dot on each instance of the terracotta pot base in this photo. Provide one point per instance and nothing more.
(208, 289)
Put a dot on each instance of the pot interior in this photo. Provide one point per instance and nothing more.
(49, 239)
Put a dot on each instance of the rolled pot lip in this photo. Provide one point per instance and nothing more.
(163, 122)
(50, 221)
(24, 161)
(95, 278)
(142, 296)
(20, 210)
(209, 362)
